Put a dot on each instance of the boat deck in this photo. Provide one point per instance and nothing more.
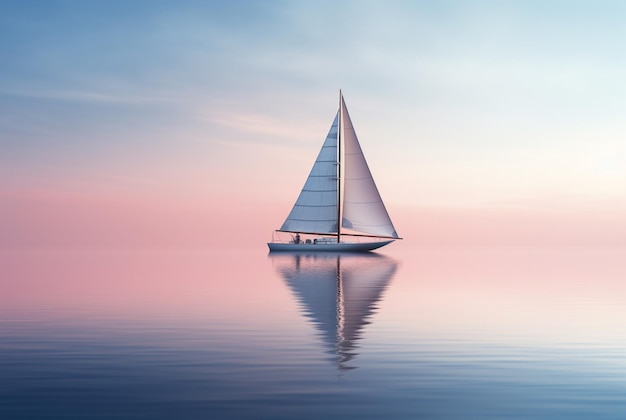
(326, 247)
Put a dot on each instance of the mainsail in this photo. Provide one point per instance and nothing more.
(315, 210)
(362, 211)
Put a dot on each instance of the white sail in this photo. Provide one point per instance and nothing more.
(363, 209)
(315, 210)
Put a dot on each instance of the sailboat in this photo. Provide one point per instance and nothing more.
(339, 199)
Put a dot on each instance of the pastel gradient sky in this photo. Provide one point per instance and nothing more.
(153, 123)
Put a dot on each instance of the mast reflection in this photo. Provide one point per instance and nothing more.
(338, 293)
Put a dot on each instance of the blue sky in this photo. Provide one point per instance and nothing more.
(455, 102)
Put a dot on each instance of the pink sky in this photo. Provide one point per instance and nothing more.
(144, 219)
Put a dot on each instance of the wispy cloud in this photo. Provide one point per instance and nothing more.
(90, 96)
(257, 123)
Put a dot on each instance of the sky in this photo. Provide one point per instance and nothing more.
(190, 123)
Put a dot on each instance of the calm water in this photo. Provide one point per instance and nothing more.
(406, 333)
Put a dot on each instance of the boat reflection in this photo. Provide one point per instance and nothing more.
(338, 293)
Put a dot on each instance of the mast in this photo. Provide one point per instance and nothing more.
(339, 140)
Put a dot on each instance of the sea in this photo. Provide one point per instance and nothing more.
(401, 333)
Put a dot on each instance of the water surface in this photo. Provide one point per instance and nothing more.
(404, 333)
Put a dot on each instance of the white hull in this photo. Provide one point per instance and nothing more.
(330, 247)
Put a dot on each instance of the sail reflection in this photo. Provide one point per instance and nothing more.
(338, 293)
